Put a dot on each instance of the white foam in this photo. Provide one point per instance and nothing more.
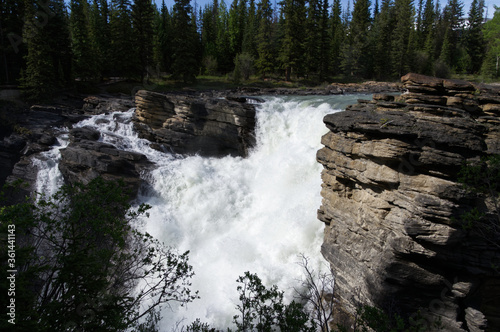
(235, 215)
(252, 214)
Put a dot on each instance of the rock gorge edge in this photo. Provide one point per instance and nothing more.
(391, 201)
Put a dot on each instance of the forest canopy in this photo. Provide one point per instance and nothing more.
(48, 44)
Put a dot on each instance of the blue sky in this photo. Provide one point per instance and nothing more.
(489, 4)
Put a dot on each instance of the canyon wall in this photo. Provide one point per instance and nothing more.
(392, 206)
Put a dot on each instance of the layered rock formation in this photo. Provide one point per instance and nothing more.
(392, 205)
(187, 124)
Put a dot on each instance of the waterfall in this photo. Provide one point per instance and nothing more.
(235, 215)
(49, 178)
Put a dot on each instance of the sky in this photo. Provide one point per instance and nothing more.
(489, 4)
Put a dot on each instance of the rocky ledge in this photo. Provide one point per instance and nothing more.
(186, 124)
(86, 158)
(392, 204)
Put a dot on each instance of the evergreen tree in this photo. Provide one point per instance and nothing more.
(473, 37)
(59, 42)
(356, 58)
(294, 37)
(100, 36)
(380, 38)
(209, 32)
(184, 62)
(451, 30)
(81, 44)
(142, 22)
(324, 42)
(337, 35)
(163, 36)
(491, 64)
(224, 56)
(400, 56)
(425, 40)
(122, 39)
(12, 48)
(313, 36)
(264, 39)
(40, 79)
(249, 45)
(236, 25)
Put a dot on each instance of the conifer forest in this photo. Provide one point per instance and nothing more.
(50, 44)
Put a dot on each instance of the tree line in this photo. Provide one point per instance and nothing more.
(47, 44)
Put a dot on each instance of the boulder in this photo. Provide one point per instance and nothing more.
(392, 204)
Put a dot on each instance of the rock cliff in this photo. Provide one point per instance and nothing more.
(187, 124)
(392, 205)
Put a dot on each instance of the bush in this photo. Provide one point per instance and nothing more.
(441, 69)
(82, 266)
(243, 67)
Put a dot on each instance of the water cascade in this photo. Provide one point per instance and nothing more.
(252, 214)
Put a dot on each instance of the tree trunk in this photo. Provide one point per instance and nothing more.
(287, 73)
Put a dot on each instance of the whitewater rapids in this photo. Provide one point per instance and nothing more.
(234, 215)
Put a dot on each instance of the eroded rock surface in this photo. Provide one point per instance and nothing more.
(392, 204)
(187, 124)
(86, 158)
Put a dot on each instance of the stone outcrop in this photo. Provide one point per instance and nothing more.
(104, 104)
(392, 205)
(86, 158)
(185, 124)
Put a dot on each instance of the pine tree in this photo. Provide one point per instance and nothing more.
(224, 56)
(41, 78)
(264, 39)
(209, 31)
(428, 26)
(293, 45)
(59, 42)
(162, 42)
(491, 64)
(236, 24)
(313, 36)
(122, 39)
(12, 48)
(451, 31)
(100, 37)
(142, 22)
(81, 44)
(324, 42)
(404, 12)
(184, 62)
(356, 58)
(337, 35)
(380, 38)
(473, 37)
(249, 45)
